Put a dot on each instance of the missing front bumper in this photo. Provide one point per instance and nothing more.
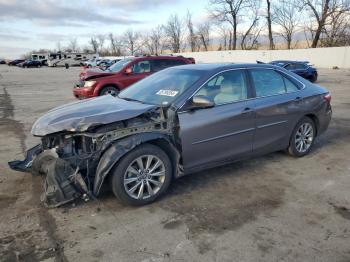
(63, 183)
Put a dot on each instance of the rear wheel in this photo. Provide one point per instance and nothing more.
(313, 79)
(142, 175)
(109, 90)
(303, 137)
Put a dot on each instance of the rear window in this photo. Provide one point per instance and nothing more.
(269, 82)
(160, 64)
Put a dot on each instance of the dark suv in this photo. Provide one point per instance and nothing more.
(123, 74)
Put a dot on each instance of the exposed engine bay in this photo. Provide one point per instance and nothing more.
(76, 163)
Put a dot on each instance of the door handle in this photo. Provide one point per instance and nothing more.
(247, 110)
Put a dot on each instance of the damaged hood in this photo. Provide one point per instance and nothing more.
(81, 115)
(90, 74)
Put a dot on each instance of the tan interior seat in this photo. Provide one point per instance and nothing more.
(230, 90)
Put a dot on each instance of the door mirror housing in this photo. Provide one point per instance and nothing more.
(128, 71)
(201, 102)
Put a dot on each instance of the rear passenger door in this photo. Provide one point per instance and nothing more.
(278, 106)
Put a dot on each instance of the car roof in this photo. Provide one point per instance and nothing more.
(289, 61)
(223, 66)
(159, 57)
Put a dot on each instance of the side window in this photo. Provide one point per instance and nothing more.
(176, 62)
(290, 86)
(290, 67)
(142, 67)
(267, 82)
(226, 87)
(300, 66)
(159, 64)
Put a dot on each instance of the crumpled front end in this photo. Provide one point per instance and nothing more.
(76, 163)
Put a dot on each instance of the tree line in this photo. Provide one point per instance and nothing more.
(235, 24)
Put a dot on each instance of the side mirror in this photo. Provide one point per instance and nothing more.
(201, 102)
(128, 71)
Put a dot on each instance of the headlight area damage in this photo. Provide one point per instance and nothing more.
(76, 163)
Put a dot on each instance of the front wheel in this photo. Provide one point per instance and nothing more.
(109, 90)
(142, 175)
(303, 137)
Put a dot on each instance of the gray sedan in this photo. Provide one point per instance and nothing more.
(175, 122)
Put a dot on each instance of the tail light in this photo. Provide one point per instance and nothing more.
(328, 98)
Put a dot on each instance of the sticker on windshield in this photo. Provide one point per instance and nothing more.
(167, 93)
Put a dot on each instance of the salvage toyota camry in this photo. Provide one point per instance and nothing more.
(178, 121)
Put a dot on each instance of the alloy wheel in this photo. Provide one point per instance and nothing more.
(144, 177)
(304, 137)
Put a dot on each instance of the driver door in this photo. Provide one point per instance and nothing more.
(140, 70)
(223, 132)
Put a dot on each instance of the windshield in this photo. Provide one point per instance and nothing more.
(162, 88)
(119, 65)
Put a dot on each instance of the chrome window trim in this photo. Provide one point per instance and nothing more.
(252, 98)
(206, 82)
(303, 85)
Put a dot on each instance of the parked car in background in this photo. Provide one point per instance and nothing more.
(107, 63)
(302, 68)
(2, 61)
(123, 74)
(91, 62)
(178, 121)
(30, 63)
(15, 62)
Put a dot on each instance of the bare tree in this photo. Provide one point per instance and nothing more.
(269, 24)
(321, 10)
(250, 36)
(228, 11)
(337, 30)
(115, 45)
(101, 41)
(131, 39)
(73, 44)
(204, 35)
(286, 15)
(94, 44)
(192, 37)
(226, 37)
(153, 41)
(174, 32)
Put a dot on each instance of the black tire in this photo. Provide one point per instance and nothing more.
(119, 171)
(313, 79)
(109, 90)
(38, 66)
(292, 149)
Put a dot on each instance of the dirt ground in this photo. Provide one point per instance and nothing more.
(272, 208)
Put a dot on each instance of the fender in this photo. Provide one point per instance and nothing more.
(118, 149)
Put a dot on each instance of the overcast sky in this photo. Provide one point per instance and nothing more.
(33, 24)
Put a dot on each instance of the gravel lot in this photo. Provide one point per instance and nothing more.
(272, 208)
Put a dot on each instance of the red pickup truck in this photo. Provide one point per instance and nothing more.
(123, 74)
